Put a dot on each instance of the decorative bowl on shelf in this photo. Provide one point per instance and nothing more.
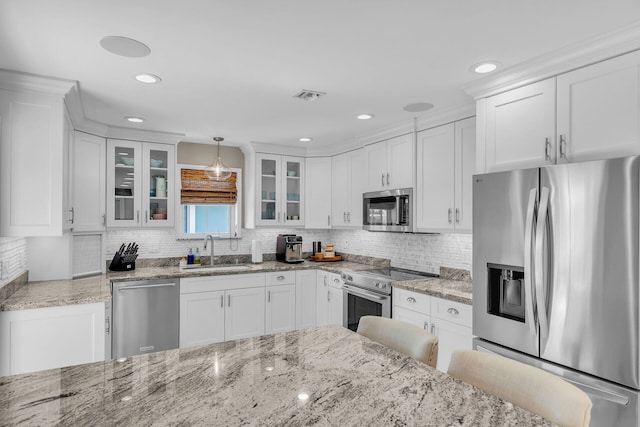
(291, 173)
(127, 160)
(156, 163)
(159, 216)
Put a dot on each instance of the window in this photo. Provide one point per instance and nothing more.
(208, 213)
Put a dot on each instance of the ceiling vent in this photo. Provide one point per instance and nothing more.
(308, 95)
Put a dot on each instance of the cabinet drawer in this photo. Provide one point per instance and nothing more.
(452, 311)
(418, 319)
(280, 278)
(219, 283)
(412, 300)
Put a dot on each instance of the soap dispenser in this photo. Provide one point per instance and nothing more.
(196, 257)
(190, 257)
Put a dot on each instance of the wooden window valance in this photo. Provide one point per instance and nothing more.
(197, 188)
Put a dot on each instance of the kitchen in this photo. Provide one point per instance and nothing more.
(48, 258)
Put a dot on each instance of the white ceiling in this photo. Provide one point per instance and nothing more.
(230, 68)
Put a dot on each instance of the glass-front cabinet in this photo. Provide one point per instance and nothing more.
(280, 190)
(140, 184)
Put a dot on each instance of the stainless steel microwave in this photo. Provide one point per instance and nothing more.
(388, 210)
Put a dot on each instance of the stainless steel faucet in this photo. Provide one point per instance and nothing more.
(209, 237)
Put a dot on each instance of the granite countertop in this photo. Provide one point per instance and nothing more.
(453, 285)
(93, 289)
(321, 376)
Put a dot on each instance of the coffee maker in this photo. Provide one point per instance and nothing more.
(289, 248)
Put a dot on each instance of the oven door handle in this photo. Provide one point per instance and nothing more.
(363, 294)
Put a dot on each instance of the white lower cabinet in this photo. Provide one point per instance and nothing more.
(281, 302)
(221, 308)
(52, 337)
(450, 321)
(306, 299)
(329, 298)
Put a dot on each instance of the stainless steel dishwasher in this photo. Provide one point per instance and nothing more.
(145, 316)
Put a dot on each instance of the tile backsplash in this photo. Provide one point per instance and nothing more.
(422, 252)
(13, 258)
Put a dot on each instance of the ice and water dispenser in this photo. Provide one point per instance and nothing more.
(506, 291)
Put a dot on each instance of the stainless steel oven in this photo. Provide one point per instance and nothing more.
(368, 293)
(388, 210)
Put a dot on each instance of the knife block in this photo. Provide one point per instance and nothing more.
(123, 263)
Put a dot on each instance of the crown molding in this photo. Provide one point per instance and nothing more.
(286, 150)
(117, 132)
(568, 58)
(32, 83)
(446, 116)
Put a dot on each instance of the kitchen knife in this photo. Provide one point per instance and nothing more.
(121, 249)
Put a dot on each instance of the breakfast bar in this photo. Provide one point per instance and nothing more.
(320, 376)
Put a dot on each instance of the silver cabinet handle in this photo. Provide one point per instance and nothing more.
(411, 299)
(146, 216)
(268, 296)
(344, 217)
(563, 145)
(329, 220)
(222, 301)
(348, 216)
(134, 287)
(426, 326)
(383, 180)
(324, 279)
(229, 300)
(278, 216)
(137, 216)
(453, 311)
(433, 328)
(280, 278)
(387, 179)
(547, 147)
(73, 215)
(449, 212)
(104, 219)
(107, 324)
(457, 215)
(336, 280)
(328, 296)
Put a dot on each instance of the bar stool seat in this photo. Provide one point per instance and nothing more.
(404, 337)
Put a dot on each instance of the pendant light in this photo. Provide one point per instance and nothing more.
(217, 170)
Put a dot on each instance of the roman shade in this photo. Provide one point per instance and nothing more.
(198, 189)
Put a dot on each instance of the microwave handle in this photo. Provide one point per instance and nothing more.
(398, 210)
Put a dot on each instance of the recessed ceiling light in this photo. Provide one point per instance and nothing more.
(485, 67)
(148, 78)
(305, 139)
(125, 46)
(417, 107)
(135, 119)
(365, 116)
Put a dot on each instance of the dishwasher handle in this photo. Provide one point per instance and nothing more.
(154, 285)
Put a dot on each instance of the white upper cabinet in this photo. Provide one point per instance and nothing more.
(34, 146)
(390, 164)
(590, 113)
(318, 192)
(599, 110)
(520, 127)
(88, 182)
(348, 183)
(140, 184)
(446, 163)
(279, 190)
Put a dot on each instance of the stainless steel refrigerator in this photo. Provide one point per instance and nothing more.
(556, 276)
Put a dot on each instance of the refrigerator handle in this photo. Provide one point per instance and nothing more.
(529, 293)
(539, 264)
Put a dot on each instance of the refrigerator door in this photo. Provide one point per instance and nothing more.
(504, 212)
(613, 405)
(588, 309)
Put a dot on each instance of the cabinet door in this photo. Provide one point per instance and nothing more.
(244, 313)
(520, 127)
(451, 336)
(268, 189)
(124, 183)
(435, 186)
(336, 306)
(377, 166)
(415, 318)
(306, 299)
(340, 186)
(31, 164)
(357, 186)
(599, 110)
(318, 185)
(465, 163)
(53, 337)
(158, 198)
(322, 299)
(400, 162)
(88, 182)
(201, 318)
(67, 173)
(293, 191)
(280, 309)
